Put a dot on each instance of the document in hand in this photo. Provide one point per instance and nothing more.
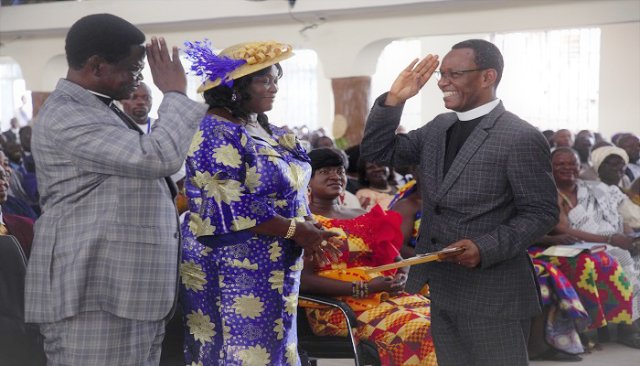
(574, 249)
(420, 258)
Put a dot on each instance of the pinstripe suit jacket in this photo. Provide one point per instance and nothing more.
(108, 237)
(498, 192)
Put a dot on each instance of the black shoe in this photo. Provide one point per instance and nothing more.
(553, 355)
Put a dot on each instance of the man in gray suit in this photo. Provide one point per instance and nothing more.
(103, 272)
(487, 187)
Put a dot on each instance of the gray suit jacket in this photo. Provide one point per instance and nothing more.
(498, 192)
(108, 237)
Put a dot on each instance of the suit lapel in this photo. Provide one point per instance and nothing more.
(469, 149)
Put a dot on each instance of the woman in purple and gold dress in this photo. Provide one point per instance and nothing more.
(248, 218)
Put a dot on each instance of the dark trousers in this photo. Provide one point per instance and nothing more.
(462, 339)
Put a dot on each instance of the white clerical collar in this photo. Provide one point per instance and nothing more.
(478, 111)
(99, 94)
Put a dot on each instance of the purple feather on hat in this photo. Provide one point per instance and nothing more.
(208, 65)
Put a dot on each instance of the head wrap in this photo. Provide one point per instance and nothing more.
(233, 62)
(598, 155)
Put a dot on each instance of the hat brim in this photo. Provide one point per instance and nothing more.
(245, 70)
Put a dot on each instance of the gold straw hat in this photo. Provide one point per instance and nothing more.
(258, 56)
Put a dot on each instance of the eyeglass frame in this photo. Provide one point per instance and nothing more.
(458, 73)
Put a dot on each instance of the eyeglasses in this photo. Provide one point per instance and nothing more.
(453, 75)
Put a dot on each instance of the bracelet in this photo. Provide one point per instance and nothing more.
(609, 238)
(292, 230)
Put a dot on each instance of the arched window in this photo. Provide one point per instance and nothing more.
(15, 100)
(551, 78)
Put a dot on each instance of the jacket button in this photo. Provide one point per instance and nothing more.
(175, 235)
(436, 210)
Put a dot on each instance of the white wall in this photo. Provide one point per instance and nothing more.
(350, 38)
(620, 79)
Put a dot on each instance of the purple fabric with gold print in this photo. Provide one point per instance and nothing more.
(239, 290)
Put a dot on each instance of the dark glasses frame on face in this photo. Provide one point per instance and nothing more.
(453, 75)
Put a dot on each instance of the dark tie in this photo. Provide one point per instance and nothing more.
(132, 125)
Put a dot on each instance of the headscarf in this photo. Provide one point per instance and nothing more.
(598, 155)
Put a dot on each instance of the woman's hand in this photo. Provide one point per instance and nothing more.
(399, 281)
(562, 239)
(381, 284)
(622, 241)
(319, 245)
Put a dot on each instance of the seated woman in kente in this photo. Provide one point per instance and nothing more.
(398, 324)
(608, 283)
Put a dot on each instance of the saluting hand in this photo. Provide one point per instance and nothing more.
(411, 80)
(167, 71)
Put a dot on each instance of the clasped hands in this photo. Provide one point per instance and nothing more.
(320, 246)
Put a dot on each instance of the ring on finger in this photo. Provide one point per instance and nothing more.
(323, 243)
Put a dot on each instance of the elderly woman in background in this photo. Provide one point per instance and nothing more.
(590, 212)
(399, 324)
(610, 162)
(248, 218)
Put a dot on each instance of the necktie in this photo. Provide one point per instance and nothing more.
(132, 125)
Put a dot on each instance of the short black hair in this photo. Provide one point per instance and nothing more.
(624, 138)
(104, 35)
(324, 157)
(487, 55)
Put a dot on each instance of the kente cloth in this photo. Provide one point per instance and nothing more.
(404, 192)
(239, 290)
(601, 284)
(598, 212)
(567, 316)
(399, 326)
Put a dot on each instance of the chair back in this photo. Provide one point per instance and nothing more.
(20, 343)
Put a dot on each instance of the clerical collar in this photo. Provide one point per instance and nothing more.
(104, 98)
(478, 111)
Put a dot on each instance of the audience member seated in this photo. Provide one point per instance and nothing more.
(583, 144)
(322, 141)
(555, 333)
(562, 138)
(633, 192)
(631, 145)
(13, 204)
(610, 162)
(353, 154)
(12, 134)
(19, 226)
(23, 184)
(408, 203)
(589, 212)
(377, 185)
(399, 324)
(548, 134)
